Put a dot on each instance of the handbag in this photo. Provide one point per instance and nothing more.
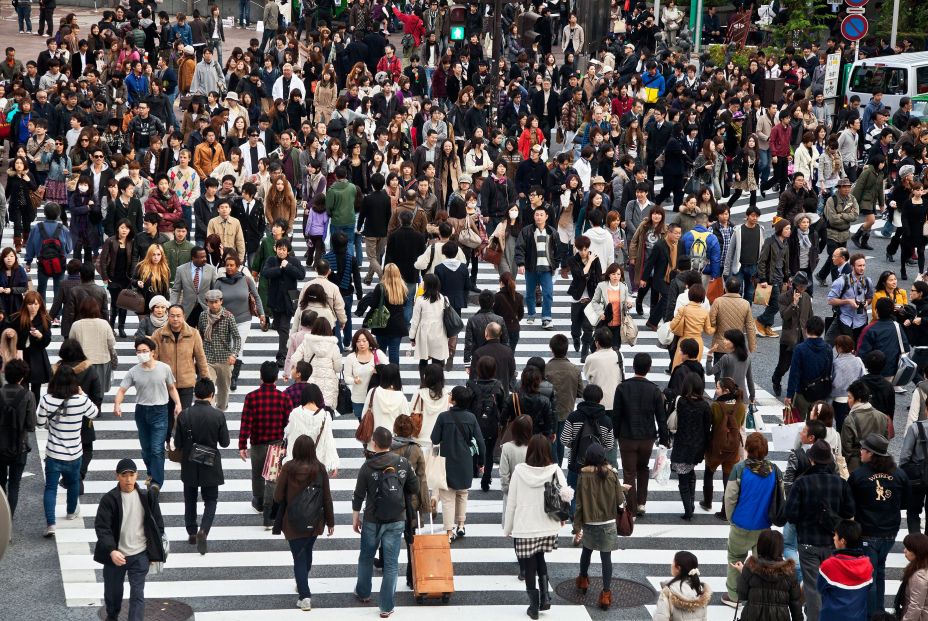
(380, 316)
(343, 405)
(555, 506)
(132, 300)
(906, 368)
(451, 320)
(493, 252)
(416, 416)
(273, 460)
(366, 428)
(629, 330)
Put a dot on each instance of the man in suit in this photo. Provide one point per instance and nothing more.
(191, 283)
(659, 269)
(546, 106)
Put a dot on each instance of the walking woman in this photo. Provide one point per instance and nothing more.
(510, 305)
(117, 264)
(728, 413)
(458, 435)
(534, 531)
(33, 329)
(691, 440)
(610, 302)
(651, 230)
(313, 420)
(152, 276)
(360, 367)
(767, 586)
(14, 282)
(427, 328)
(432, 398)
(320, 349)
(303, 471)
(600, 495)
(391, 292)
(911, 603)
(685, 597)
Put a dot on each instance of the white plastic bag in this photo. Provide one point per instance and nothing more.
(660, 471)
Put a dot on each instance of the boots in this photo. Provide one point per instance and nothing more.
(236, 369)
(544, 600)
(532, 610)
(583, 584)
(865, 241)
(605, 600)
(856, 238)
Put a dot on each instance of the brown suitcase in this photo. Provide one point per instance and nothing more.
(432, 571)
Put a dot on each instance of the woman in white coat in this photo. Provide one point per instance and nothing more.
(320, 349)
(387, 401)
(311, 419)
(430, 400)
(533, 531)
(685, 597)
(427, 329)
(609, 303)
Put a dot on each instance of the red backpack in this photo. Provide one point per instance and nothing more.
(51, 252)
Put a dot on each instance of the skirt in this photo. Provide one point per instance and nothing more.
(601, 537)
(56, 192)
(526, 548)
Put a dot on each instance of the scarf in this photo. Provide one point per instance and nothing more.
(157, 323)
(760, 467)
(211, 321)
(672, 264)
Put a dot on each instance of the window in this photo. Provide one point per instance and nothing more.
(891, 81)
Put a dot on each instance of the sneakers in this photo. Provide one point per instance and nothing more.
(305, 604)
(49, 531)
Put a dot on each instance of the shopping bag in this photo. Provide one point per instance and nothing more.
(660, 471)
(784, 436)
(762, 295)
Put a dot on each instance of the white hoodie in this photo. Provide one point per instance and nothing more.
(525, 506)
(602, 245)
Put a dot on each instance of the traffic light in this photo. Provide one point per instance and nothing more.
(458, 16)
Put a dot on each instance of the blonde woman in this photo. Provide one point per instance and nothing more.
(152, 275)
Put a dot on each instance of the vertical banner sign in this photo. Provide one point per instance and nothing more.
(832, 75)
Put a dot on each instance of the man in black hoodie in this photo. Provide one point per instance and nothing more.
(384, 515)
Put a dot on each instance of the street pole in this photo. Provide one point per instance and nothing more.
(895, 31)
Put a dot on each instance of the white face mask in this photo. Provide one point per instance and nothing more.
(144, 357)
(513, 213)
(83, 188)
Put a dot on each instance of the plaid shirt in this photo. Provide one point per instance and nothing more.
(294, 392)
(264, 416)
(225, 339)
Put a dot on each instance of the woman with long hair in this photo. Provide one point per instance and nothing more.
(14, 282)
(534, 531)
(117, 265)
(767, 583)
(692, 439)
(391, 292)
(427, 328)
(33, 335)
(153, 275)
(509, 304)
(320, 348)
(360, 367)
(302, 471)
(684, 597)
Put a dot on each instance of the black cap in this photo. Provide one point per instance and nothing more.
(126, 465)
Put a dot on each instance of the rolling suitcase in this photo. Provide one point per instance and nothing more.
(432, 571)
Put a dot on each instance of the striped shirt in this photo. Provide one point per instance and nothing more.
(64, 434)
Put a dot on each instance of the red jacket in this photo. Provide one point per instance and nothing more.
(412, 24)
(394, 67)
(779, 140)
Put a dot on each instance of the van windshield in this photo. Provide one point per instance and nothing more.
(869, 79)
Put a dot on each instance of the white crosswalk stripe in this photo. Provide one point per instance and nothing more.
(248, 569)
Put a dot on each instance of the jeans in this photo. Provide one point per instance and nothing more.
(877, 549)
(210, 495)
(746, 274)
(24, 15)
(152, 423)
(302, 551)
(70, 471)
(770, 313)
(373, 536)
(10, 477)
(547, 293)
(244, 12)
(42, 285)
(113, 579)
(391, 345)
(810, 558)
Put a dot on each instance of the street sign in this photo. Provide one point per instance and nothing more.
(854, 27)
(832, 75)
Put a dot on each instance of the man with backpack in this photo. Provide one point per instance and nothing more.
(49, 243)
(384, 482)
(588, 424)
(17, 421)
(703, 249)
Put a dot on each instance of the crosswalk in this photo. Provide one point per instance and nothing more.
(248, 569)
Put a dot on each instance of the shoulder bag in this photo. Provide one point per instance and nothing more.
(366, 427)
(451, 320)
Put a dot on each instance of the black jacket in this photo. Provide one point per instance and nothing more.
(203, 424)
(281, 281)
(638, 405)
(404, 246)
(536, 406)
(694, 419)
(108, 523)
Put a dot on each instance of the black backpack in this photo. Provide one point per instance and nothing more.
(307, 508)
(589, 434)
(13, 437)
(391, 499)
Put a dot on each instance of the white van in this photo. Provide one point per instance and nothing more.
(896, 76)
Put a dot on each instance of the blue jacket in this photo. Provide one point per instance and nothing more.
(811, 359)
(713, 250)
(882, 336)
(35, 242)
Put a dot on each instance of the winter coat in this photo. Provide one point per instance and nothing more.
(427, 329)
(525, 516)
(323, 353)
(108, 523)
(770, 591)
(678, 601)
(692, 437)
(203, 424)
(454, 431)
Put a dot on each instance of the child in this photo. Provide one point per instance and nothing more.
(685, 596)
